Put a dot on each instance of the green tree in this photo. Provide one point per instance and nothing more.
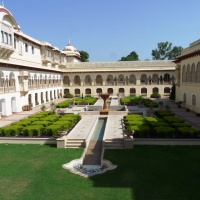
(131, 57)
(166, 51)
(84, 56)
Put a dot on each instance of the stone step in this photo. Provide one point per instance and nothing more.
(75, 141)
(114, 145)
(74, 145)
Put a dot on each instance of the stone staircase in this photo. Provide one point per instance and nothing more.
(75, 143)
(117, 143)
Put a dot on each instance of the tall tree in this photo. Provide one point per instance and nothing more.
(131, 57)
(84, 56)
(165, 51)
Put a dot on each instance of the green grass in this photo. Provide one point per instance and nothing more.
(29, 172)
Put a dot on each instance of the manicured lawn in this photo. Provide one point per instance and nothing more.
(147, 172)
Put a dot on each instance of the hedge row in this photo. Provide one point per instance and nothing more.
(168, 126)
(49, 127)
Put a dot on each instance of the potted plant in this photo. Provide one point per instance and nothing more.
(62, 131)
(127, 131)
(43, 108)
(167, 107)
(42, 101)
(179, 103)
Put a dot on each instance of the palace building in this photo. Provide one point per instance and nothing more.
(35, 72)
(188, 77)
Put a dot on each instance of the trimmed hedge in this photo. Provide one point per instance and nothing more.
(172, 119)
(21, 123)
(52, 118)
(140, 131)
(66, 125)
(52, 130)
(153, 124)
(163, 131)
(29, 120)
(177, 125)
(35, 130)
(43, 123)
(155, 95)
(188, 132)
(64, 104)
(163, 113)
(11, 130)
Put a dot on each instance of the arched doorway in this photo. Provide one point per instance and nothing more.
(3, 107)
(132, 91)
(66, 91)
(29, 99)
(110, 91)
(13, 104)
(99, 80)
(99, 90)
(121, 90)
(144, 91)
(88, 91)
(155, 90)
(167, 90)
(77, 91)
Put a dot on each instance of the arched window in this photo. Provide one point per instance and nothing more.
(193, 74)
(88, 91)
(166, 77)
(188, 74)
(98, 90)
(198, 73)
(194, 100)
(184, 97)
(184, 74)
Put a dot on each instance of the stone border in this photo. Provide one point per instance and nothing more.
(108, 164)
(12, 140)
(160, 141)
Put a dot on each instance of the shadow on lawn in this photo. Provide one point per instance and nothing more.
(153, 172)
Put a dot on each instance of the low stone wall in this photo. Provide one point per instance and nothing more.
(156, 141)
(10, 140)
(93, 108)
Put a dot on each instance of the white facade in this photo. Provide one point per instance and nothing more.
(36, 72)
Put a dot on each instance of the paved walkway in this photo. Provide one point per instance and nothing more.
(189, 117)
(113, 128)
(24, 114)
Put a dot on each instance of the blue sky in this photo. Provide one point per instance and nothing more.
(109, 29)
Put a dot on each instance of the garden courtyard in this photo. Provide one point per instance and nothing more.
(145, 172)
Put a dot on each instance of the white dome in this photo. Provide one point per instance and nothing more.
(69, 50)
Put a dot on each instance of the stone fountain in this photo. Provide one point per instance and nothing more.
(104, 96)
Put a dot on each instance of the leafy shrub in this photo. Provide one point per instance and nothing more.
(21, 123)
(66, 125)
(64, 104)
(29, 120)
(177, 125)
(68, 95)
(11, 130)
(43, 123)
(140, 131)
(35, 130)
(52, 130)
(172, 119)
(153, 124)
(187, 132)
(163, 131)
(155, 95)
(152, 119)
(51, 118)
(71, 119)
(163, 113)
